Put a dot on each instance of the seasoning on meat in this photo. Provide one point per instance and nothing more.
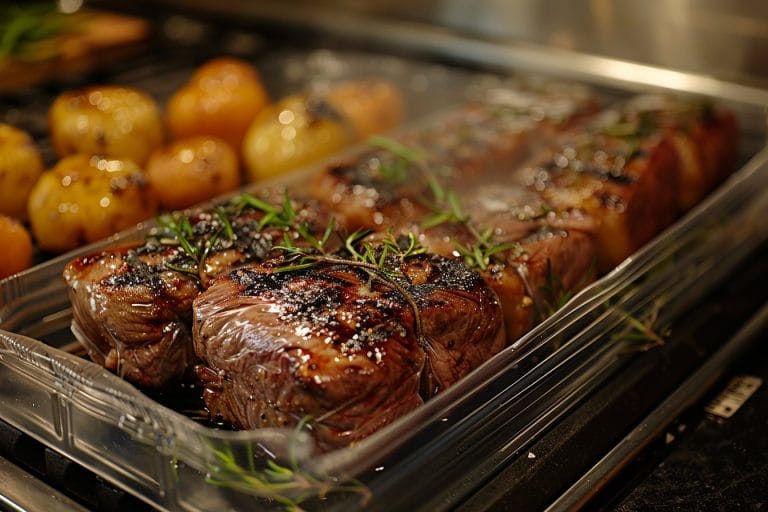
(353, 345)
(132, 305)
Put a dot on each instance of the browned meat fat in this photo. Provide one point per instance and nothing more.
(340, 344)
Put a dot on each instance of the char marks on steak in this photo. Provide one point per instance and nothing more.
(635, 168)
(533, 188)
(628, 186)
(705, 139)
(533, 255)
(386, 185)
(132, 306)
(339, 342)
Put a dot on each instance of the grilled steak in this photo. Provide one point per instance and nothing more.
(533, 256)
(635, 168)
(132, 306)
(385, 185)
(705, 139)
(504, 209)
(628, 185)
(351, 347)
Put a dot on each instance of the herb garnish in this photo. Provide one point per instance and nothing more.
(290, 485)
(22, 28)
(642, 332)
(405, 157)
(179, 231)
(375, 259)
(446, 207)
(215, 228)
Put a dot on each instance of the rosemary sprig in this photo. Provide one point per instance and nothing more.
(360, 251)
(282, 217)
(557, 294)
(446, 208)
(374, 259)
(642, 331)
(405, 158)
(22, 28)
(179, 233)
(406, 153)
(177, 230)
(482, 252)
(290, 484)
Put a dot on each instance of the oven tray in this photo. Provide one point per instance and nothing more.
(428, 459)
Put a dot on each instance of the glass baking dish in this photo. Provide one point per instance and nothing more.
(427, 459)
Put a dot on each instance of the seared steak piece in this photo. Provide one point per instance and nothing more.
(705, 139)
(352, 347)
(627, 184)
(132, 313)
(385, 186)
(132, 306)
(635, 168)
(534, 256)
(375, 190)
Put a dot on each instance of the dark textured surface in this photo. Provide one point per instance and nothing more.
(61, 473)
(699, 463)
(718, 464)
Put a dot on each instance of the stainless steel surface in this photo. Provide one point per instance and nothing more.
(617, 44)
(21, 492)
(726, 40)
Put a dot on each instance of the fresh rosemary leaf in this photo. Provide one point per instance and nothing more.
(225, 222)
(435, 219)
(295, 267)
(411, 155)
(257, 203)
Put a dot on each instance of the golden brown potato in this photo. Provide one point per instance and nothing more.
(85, 198)
(296, 131)
(302, 128)
(369, 106)
(192, 170)
(16, 254)
(112, 121)
(221, 99)
(20, 166)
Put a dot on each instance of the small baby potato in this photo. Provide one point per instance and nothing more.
(370, 106)
(16, 254)
(86, 198)
(296, 131)
(20, 166)
(111, 121)
(221, 99)
(192, 170)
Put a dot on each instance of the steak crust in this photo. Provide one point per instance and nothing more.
(339, 344)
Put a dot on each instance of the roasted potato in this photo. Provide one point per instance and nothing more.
(370, 106)
(295, 131)
(192, 170)
(111, 121)
(20, 166)
(221, 99)
(85, 198)
(17, 247)
(304, 128)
